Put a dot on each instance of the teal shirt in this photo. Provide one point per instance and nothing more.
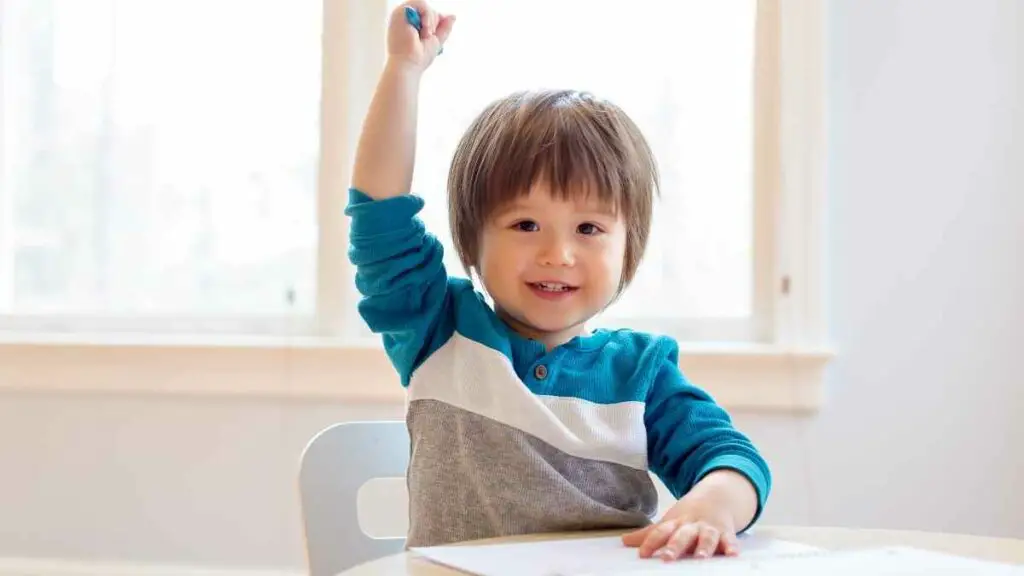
(614, 401)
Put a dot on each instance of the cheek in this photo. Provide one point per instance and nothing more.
(614, 256)
(499, 258)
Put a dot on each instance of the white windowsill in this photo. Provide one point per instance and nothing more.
(740, 377)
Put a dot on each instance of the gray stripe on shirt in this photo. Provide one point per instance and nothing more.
(471, 477)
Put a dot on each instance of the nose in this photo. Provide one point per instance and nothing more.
(557, 251)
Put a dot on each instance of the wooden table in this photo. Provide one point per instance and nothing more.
(997, 549)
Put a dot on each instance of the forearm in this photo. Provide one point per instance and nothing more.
(733, 492)
(387, 145)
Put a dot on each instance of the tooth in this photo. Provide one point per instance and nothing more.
(552, 287)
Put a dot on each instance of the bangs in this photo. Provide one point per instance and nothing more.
(566, 142)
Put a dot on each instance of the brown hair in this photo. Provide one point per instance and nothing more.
(578, 143)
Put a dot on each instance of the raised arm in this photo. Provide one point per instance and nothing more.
(399, 266)
(386, 151)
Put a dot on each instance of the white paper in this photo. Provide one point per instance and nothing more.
(874, 562)
(586, 556)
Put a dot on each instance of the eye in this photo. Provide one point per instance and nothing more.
(588, 229)
(525, 226)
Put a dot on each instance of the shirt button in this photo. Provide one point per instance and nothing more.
(541, 372)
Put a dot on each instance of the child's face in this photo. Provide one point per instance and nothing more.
(550, 265)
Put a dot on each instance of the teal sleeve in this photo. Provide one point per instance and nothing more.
(401, 278)
(690, 436)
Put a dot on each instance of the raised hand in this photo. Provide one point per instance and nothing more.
(417, 48)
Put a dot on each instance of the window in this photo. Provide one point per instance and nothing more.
(181, 167)
(159, 161)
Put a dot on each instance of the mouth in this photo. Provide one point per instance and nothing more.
(552, 290)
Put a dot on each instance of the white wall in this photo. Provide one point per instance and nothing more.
(927, 288)
(926, 225)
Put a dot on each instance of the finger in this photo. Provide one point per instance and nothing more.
(707, 542)
(444, 27)
(432, 22)
(657, 537)
(681, 542)
(637, 537)
(425, 28)
(730, 544)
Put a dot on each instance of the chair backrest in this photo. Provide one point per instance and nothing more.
(335, 464)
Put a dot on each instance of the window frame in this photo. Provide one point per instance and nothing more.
(304, 356)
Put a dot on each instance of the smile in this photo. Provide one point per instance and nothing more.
(551, 289)
(554, 286)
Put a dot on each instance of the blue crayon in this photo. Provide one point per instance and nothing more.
(413, 17)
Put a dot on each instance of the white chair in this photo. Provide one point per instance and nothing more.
(335, 464)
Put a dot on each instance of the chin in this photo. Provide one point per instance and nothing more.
(550, 327)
